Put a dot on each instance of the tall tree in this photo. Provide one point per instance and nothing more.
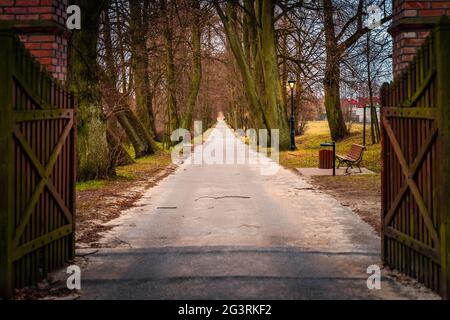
(171, 98)
(139, 24)
(263, 90)
(374, 124)
(93, 159)
(119, 103)
(196, 64)
(332, 79)
(336, 47)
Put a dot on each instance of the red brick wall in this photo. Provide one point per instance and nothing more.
(47, 39)
(409, 8)
(411, 23)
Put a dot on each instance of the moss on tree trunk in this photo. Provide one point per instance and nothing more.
(336, 122)
(139, 24)
(196, 65)
(262, 81)
(137, 132)
(338, 129)
(172, 115)
(92, 146)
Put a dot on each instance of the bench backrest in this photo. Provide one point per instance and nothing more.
(356, 152)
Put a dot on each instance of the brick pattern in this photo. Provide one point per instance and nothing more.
(408, 38)
(50, 51)
(47, 44)
(430, 8)
(406, 44)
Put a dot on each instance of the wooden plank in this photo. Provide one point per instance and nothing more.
(29, 152)
(443, 102)
(415, 229)
(28, 211)
(6, 165)
(411, 172)
(411, 183)
(403, 251)
(416, 113)
(384, 169)
(420, 91)
(59, 201)
(37, 115)
(413, 244)
(43, 172)
(42, 241)
(73, 177)
(36, 100)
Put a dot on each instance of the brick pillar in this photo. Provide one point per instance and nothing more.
(411, 24)
(41, 26)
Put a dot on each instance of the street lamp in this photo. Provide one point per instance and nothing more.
(291, 84)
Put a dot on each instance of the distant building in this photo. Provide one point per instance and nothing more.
(353, 109)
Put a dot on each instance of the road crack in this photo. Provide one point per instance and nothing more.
(250, 226)
(222, 197)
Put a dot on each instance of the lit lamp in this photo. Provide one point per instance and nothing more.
(291, 84)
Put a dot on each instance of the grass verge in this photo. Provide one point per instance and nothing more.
(361, 193)
(317, 132)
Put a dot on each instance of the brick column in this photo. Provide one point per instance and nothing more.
(411, 24)
(41, 26)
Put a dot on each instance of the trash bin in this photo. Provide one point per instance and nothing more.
(326, 159)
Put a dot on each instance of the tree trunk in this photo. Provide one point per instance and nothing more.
(196, 65)
(300, 113)
(145, 136)
(375, 130)
(138, 135)
(284, 68)
(262, 83)
(229, 21)
(332, 79)
(123, 69)
(119, 155)
(336, 122)
(274, 106)
(172, 115)
(138, 30)
(92, 146)
(133, 137)
(117, 102)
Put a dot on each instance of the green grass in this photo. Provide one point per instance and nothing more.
(90, 185)
(317, 132)
(153, 162)
(142, 168)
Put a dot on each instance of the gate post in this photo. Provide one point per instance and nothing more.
(6, 164)
(443, 105)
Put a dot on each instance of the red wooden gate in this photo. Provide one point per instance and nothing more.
(416, 166)
(37, 169)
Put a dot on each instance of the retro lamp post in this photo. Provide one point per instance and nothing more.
(291, 84)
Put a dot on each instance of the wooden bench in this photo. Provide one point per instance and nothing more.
(353, 157)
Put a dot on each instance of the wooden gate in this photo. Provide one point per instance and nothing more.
(37, 169)
(416, 166)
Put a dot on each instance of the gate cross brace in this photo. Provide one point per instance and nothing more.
(45, 173)
(421, 90)
(409, 174)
